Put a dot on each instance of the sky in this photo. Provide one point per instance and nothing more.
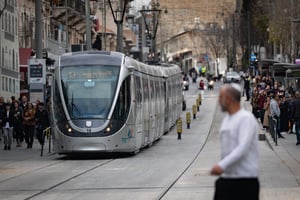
(139, 3)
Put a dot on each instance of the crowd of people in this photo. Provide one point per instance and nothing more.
(21, 120)
(271, 100)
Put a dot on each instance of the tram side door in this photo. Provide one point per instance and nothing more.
(152, 110)
(137, 87)
(146, 112)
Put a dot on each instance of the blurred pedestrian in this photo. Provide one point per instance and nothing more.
(296, 115)
(18, 127)
(7, 126)
(29, 124)
(267, 113)
(2, 109)
(247, 88)
(238, 167)
(275, 112)
(24, 102)
(284, 115)
(42, 122)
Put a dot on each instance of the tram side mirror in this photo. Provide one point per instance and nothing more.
(130, 68)
(89, 83)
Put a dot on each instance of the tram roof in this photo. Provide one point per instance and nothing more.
(268, 61)
(286, 66)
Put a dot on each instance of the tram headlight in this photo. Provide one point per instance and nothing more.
(68, 128)
(107, 129)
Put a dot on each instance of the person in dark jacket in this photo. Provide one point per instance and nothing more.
(29, 124)
(284, 109)
(7, 126)
(42, 122)
(2, 108)
(247, 88)
(296, 115)
(18, 128)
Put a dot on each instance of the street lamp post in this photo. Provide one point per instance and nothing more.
(151, 19)
(118, 13)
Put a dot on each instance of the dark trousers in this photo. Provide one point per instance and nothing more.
(297, 124)
(278, 127)
(237, 189)
(29, 134)
(39, 135)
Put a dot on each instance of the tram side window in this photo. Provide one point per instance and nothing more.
(123, 103)
(58, 108)
(138, 90)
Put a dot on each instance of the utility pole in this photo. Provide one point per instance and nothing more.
(249, 37)
(67, 25)
(233, 43)
(293, 56)
(104, 26)
(88, 25)
(38, 29)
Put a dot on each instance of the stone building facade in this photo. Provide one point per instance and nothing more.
(9, 50)
(187, 28)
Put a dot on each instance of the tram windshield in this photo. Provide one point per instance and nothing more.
(89, 90)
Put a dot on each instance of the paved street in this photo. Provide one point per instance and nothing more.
(26, 175)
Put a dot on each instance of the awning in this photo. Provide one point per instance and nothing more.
(24, 55)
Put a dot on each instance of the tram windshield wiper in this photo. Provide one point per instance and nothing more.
(74, 107)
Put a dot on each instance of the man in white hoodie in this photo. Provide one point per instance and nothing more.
(238, 167)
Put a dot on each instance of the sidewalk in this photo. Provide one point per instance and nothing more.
(280, 167)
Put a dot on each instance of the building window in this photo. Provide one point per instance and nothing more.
(10, 85)
(3, 57)
(13, 25)
(9, 61)
(6, 84)
(13, 60)
(16, 26)
(5, 22)
(9, 24)
(14, 86)
(2, 83)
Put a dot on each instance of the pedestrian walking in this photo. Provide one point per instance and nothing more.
(2, 109)
(267, 113)
(275, 112)
(247, 88)
(29, 124)
(7, 126)
(238, 166)
(284, 115)
(296, 115)
(18, 127)
(42, 122)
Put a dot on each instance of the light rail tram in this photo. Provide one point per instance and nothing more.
(108, 102)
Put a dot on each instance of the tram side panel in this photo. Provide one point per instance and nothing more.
(138, 107)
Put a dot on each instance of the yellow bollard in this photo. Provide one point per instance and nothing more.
(200, 97)
(194, 111)
(188, 119)
(198, 103)
(179, 128)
